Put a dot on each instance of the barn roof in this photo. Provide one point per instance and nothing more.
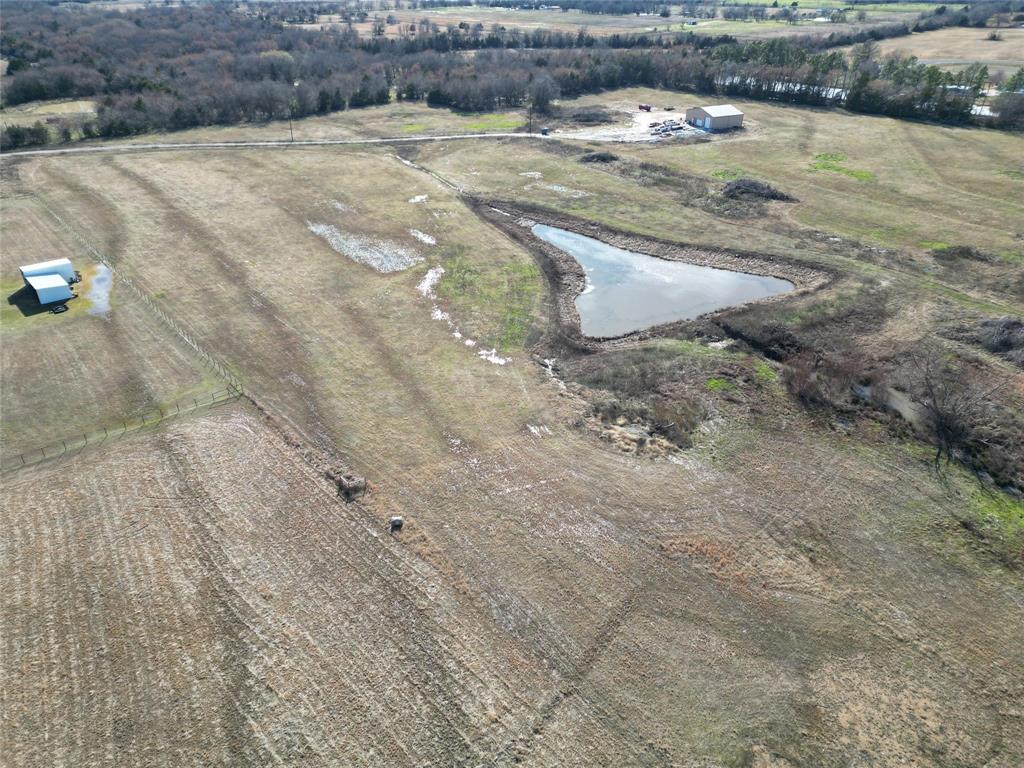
(722, 110)
(44, 266)
(41, 282)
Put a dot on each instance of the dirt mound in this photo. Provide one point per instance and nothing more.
(740, 189)
(961, 253)
(599, 157)
(1003, 336)
(592, 116)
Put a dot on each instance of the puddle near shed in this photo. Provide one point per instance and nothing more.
(99, 291)
(629, 291)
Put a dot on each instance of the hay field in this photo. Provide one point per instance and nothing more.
(600, 24)
(785, 591)
(39, 111)
(567, 21)
(956, 47)
(396, 120)
(900, 184)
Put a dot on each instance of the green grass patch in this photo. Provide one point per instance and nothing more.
(719, 385)
(933, 245)
(833, 162)
(764, 374)
(728, 174)
(496, 121)
(414, 128)
(1000, 518)
(1014, 173)
(497, 302)
(11, 318)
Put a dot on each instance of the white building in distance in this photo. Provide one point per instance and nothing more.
(717, 118)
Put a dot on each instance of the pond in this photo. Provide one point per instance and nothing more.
(628, 291)
(99, 291)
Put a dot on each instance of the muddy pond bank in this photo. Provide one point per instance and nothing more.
(628, 291)
(567, 279)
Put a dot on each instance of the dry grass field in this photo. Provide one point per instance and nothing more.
(40, 111)
(84, 370)
(599, 24)
(900, 184)
(567, 21)
(789, 591)
(956, 47)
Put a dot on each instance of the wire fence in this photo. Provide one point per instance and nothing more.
(208, 360)
(148, 419)
(233, 391)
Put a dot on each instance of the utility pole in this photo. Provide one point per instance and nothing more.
(291, 108)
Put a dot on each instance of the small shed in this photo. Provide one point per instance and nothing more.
(49, 288)
(62, 267)
(716, 118)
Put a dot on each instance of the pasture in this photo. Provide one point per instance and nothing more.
(779, 592)
(599, 24)
(956, 47)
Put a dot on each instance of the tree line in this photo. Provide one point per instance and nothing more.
(166, 69)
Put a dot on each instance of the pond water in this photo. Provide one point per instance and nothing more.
(99, 291)
(629, 291)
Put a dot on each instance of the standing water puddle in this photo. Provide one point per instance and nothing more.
(99, 291)
(628, 291)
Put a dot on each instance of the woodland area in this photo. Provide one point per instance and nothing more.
(172, 68)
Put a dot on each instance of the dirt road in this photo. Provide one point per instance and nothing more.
(116, 148)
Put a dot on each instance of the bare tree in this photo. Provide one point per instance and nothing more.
(542, 91)
(953, 401)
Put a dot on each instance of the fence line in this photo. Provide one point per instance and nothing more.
(148, 419)
(209, 360)
(233, 391)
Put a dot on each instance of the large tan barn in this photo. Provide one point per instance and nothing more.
(717, 118)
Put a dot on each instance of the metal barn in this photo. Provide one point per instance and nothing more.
(716, 118)
(62, 267)
(51, 280)
(49, 288)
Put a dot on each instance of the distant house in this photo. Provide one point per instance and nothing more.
(51, 280)
(717, 118)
